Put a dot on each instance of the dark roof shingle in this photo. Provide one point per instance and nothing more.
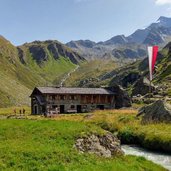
(64, 90)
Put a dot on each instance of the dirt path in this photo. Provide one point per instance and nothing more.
(68, 75)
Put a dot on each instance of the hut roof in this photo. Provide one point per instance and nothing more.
(67, 90)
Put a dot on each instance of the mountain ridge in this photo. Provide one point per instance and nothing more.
(157, 33)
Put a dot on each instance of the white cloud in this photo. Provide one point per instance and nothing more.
(163, 2)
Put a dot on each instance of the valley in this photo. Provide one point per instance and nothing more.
(46, 63)
(92, 140)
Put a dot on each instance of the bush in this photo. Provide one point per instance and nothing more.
(127, 136)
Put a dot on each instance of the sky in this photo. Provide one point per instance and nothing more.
(24, 21)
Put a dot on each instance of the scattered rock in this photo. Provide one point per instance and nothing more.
(105, 145)
(159, 111)
(88, 116)
(16, 117)
(122, 97)
(142, 86)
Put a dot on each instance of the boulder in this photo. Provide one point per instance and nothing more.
(142, 86)
(122, 98)
(159, 111)
(102, 145)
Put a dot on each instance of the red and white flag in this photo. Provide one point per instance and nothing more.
(152, 56)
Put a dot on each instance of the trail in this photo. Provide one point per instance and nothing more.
(68, 75)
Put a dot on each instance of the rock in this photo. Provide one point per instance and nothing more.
(142, 86)
(130, 78)
(42, 51)
(159, 111)
(122, 97)
(105, 145)
(88, 116)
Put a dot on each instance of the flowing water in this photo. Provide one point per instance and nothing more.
(159, 158)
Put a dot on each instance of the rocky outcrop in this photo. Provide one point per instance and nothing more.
(142, 87)
(42, 51)
(122, 98)
(130, 78)
(159, 111)
(102, 145)
(128, 53)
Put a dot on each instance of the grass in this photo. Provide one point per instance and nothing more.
(124, 122)
(48, 145)
(91, 73)
(10, 110)
(129, 128)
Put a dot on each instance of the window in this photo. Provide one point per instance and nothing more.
(54, 106)
(50, 97)
(72, 97)
(53, 97)
(72, 107)
(62, 97)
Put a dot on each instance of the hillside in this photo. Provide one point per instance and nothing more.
(50, 59)
(92, 74)
(30, 65)
(16, 79)
(126, 75)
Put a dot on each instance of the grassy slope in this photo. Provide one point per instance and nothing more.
(10, 70)
(18, 80)
(92, 70)
(51, 70)
(163, 72)
(25, 145)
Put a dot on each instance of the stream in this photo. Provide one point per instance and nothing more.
(159, 158)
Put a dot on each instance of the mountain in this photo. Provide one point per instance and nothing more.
(125, 75)
(30, 65)
(120, 40)
(83, 43)
(130, 47)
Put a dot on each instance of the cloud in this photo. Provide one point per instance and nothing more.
(163, 2)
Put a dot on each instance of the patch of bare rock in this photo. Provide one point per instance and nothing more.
(159, 111)
(106, 145)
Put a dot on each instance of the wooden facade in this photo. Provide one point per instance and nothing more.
(51, 100)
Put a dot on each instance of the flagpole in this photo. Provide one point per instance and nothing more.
(150, 89)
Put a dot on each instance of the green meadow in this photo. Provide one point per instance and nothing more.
(49, 145)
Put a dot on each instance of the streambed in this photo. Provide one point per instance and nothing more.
(159, 158)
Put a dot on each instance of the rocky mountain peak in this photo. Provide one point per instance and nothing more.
(84, 43)
(164, 21)
(119, 39)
